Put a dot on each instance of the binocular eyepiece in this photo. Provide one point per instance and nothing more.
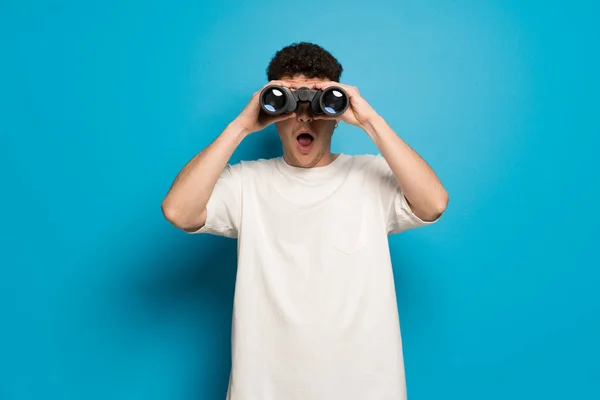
(276, 100)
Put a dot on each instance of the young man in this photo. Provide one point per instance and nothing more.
(315, 314)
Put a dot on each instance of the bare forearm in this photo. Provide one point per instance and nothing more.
(421, 186)
(185, 203)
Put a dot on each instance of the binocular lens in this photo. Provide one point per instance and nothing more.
(274, 100)
(333, 101)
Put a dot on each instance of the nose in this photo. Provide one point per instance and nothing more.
(303, 113)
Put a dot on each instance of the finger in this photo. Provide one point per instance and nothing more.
(321, 117)
(274, 82)
(351, 90)
(280, 83)
(283, 117)
(326, 84)
(322, 85)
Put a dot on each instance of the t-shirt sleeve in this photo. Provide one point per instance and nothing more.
(399, 216)
(223, 210)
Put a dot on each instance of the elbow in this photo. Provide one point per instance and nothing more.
(434, 209)
(442, 203)
(180, 219)
(439, 206)
(170, 213)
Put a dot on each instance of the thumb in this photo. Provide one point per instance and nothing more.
(283, 117)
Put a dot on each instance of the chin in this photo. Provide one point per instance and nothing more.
(307, 160)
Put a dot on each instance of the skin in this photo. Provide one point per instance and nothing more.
(422, 188)
(303, 120)
(185, 203)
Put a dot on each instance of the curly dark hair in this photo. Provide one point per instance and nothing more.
(308, 59)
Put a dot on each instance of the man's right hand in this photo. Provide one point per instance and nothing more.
(253, 119)
(185, 203)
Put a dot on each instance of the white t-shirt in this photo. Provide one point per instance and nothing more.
(315, 314)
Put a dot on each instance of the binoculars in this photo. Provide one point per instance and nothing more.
(276, 100)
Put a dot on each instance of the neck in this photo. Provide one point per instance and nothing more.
(321, 160)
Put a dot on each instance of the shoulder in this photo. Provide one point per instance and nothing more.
(260, 166)
(361, 160)
(368, 164)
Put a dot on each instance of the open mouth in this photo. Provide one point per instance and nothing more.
(305, 139)
(305, 142)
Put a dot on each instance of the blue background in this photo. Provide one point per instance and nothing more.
(101, 104)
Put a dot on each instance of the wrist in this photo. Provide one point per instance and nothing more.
(238, 129)
(373, 126)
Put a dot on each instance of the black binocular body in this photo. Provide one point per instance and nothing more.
(277, 100)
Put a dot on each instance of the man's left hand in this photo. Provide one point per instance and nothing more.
(359, 111)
